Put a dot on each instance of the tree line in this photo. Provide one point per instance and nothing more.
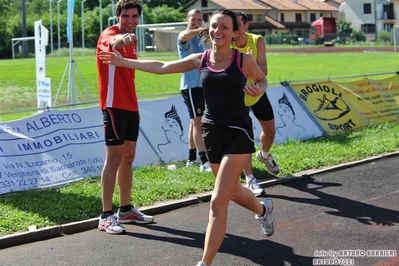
(16, 24)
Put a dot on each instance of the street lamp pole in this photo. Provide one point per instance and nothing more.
(101, 17)
(51, 27)
(59, 37)
(113, 12)
(375, 19)
(83, 28)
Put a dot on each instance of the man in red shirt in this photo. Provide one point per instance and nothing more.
(118, 102)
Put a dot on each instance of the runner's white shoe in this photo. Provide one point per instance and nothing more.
(267, 221)
(134, 216)
(110, 225)
(253, 185)
(271, 165)
(206, 167)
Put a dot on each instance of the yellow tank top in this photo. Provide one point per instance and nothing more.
(252, 40)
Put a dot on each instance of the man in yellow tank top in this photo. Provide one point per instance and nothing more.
(260, 106)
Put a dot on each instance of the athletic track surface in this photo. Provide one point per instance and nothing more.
(328, 49)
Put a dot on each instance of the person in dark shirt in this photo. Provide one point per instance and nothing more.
(227, 126)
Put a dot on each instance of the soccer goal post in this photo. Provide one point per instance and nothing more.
(396, 37)
(15, 41)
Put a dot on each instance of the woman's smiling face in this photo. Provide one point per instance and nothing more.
(221, 29)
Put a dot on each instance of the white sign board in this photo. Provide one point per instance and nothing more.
(43, 84)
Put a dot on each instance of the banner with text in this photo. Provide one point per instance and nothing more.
(329, 107)
(345, 106)
(375, 101)
(51, 148)
(56, 147)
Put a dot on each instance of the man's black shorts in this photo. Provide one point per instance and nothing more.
(194, 100)
(262, 109)
(120, 125)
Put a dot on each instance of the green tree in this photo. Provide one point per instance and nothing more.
(357, 36)
(343, 30)
(155, 11)
(6, 36)
(37, 7)
(92, 27)
(384, 37)
(170, 3)
(163, 14)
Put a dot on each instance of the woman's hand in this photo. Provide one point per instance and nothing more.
(252, 90)
(114, 57)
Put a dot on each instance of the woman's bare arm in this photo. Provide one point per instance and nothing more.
(251, 68)
(152, 66)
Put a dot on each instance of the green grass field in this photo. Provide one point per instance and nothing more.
(82, 200)
(18, 78)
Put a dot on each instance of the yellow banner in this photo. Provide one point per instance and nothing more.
(375, 101)
(329, 107)
(340, 107)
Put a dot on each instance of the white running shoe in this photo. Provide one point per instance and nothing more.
(134, 216)
(267, 221)
(193, 163)
(253, 185)
(206, 167)
(271, 165)
(110, 225)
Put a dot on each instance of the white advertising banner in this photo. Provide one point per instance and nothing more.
(51, 148)
(291, 120)
(165, 123)
(56, 147)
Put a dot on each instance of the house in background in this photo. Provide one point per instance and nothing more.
(165, 38)
(271, 16)
(294, 16)
(254, 9)
(370, 16)
(334, 3)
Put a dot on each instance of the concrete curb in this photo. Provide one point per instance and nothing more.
(157, 208)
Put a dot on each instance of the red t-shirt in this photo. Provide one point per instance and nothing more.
(116, 84)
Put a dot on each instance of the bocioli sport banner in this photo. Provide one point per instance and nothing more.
(340, 107)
